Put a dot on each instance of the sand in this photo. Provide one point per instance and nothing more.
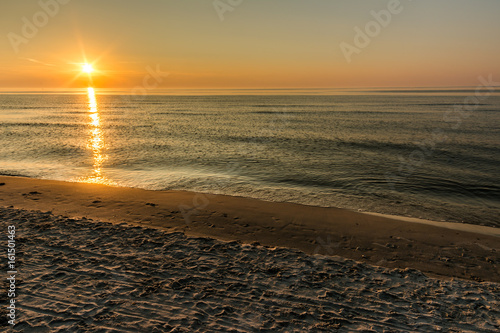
(94, 258)
(376, 240)
(78, 275)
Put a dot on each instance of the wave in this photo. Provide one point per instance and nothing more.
(12, 107)
(17, 124)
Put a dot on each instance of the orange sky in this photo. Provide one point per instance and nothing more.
(258, 44)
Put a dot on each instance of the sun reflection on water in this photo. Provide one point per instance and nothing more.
(96, 143)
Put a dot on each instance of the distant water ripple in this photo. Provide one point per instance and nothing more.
(348, 151)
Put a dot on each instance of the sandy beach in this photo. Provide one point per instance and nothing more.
(94, 258)
(455, 250)
(78, 275)
(250, 166)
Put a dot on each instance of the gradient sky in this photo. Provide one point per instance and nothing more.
(259, 44)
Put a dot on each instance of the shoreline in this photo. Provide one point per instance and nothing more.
(460, 226)
(468, 227)
(432, 247)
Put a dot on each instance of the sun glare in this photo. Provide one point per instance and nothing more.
(87, 68)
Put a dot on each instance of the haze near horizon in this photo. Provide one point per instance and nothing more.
(248, 44)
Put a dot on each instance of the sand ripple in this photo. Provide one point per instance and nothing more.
(87, 276)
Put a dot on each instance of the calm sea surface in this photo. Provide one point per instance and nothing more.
(410, 154)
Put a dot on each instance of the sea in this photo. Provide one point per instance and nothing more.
(424, 153)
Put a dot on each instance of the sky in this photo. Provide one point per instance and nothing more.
(148, 44)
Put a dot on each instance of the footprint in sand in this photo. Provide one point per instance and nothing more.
(31, 194)
(96, 204)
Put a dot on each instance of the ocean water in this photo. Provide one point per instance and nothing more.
(408, 153)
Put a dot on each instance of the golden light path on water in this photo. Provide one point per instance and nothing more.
(96, 143)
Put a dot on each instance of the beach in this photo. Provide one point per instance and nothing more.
(101, 258)
(250, 166)
(341, 150)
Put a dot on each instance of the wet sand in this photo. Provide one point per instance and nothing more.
(445, 252)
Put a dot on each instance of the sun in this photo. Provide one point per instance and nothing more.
(87, 68)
